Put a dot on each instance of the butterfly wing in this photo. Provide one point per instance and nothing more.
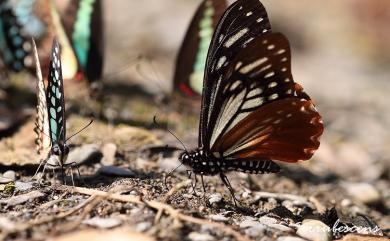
(252, 109)
(55, 96)
(191, 60)
(42, 139)
(14, 43)
(242, 22)
(83, 23)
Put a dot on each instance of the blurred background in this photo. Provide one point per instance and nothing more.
(340, 55)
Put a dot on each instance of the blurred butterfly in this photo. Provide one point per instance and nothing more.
(191, 60)
(50, 124)
(24, 19)
(252, 111)
(15, 47)
(83, 23)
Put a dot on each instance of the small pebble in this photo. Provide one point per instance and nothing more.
(142, 227)
(290, 238)
(257, 230)
(103, 222)
(23, 186)
(363, 192)
(10, 175)
(248, 222)
(4, 180)
(215, 198)
(116, 171)
(218, 218)
(195, 236)
(83, 154)
(268, 220)
(314, 230)
(109, 151)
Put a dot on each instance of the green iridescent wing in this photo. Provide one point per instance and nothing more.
(83, 23)
(190, 63)
(55, 97)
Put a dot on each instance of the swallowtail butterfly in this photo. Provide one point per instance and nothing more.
(50, 125)
(83, 23)
(252, 112)
(191, 60)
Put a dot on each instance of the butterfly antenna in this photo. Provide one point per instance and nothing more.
(85, 127)
(166, 128)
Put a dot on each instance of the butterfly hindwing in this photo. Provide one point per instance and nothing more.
(42, 121)
(55, 96)
(191, 60)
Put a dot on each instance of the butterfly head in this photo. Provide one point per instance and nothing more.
(189, 158)
(60, 151)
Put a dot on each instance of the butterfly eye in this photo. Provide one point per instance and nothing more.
(56, 150)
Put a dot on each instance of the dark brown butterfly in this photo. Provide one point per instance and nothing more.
(191, 60)
(252, 113)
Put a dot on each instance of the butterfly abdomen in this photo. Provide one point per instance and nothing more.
(203, 164)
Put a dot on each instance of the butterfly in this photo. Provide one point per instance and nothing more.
(50, 124)
(15, 48)
(83, 24)
(253, 113)
(191, 60)
(20, 21)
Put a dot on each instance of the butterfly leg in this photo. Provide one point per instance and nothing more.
(225, 181)
(39, 167)
(204, 188)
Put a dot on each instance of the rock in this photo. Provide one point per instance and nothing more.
(355, 237)
(116, 171)
(218, 218)
(268, 220)
(109, 151)
(249, 222)
(103, 222)
(15, 200)
(215, 198)
(10, 175)
(103, 235)
(363, 192)
(142, 227)
(195, 236)
(23, 186)
(4, 180)
(256, 231)
(290, 238)
(85, 153)
(314, 230)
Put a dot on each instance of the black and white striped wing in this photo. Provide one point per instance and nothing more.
(242, 22)
(55, 96)
(42, 121)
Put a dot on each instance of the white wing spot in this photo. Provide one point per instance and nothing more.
(271, 46)
(221, 61)
(249, 14)
(284, 69)
(259, 20)
(254, 92)
(289, 115)
(238, 65)
(270, 74)
(288, 92)
(273, 97)
(236, 37)
(248, 68)
(287, 80)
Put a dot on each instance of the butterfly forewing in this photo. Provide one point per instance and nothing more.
(191, 60)
(55, 96)
(241, 23)
(42, 122)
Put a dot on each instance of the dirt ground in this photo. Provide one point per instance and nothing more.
(343, 193)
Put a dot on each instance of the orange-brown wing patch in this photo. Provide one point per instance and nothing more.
(285, 130)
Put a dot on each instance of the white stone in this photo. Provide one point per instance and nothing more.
(314, 230)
